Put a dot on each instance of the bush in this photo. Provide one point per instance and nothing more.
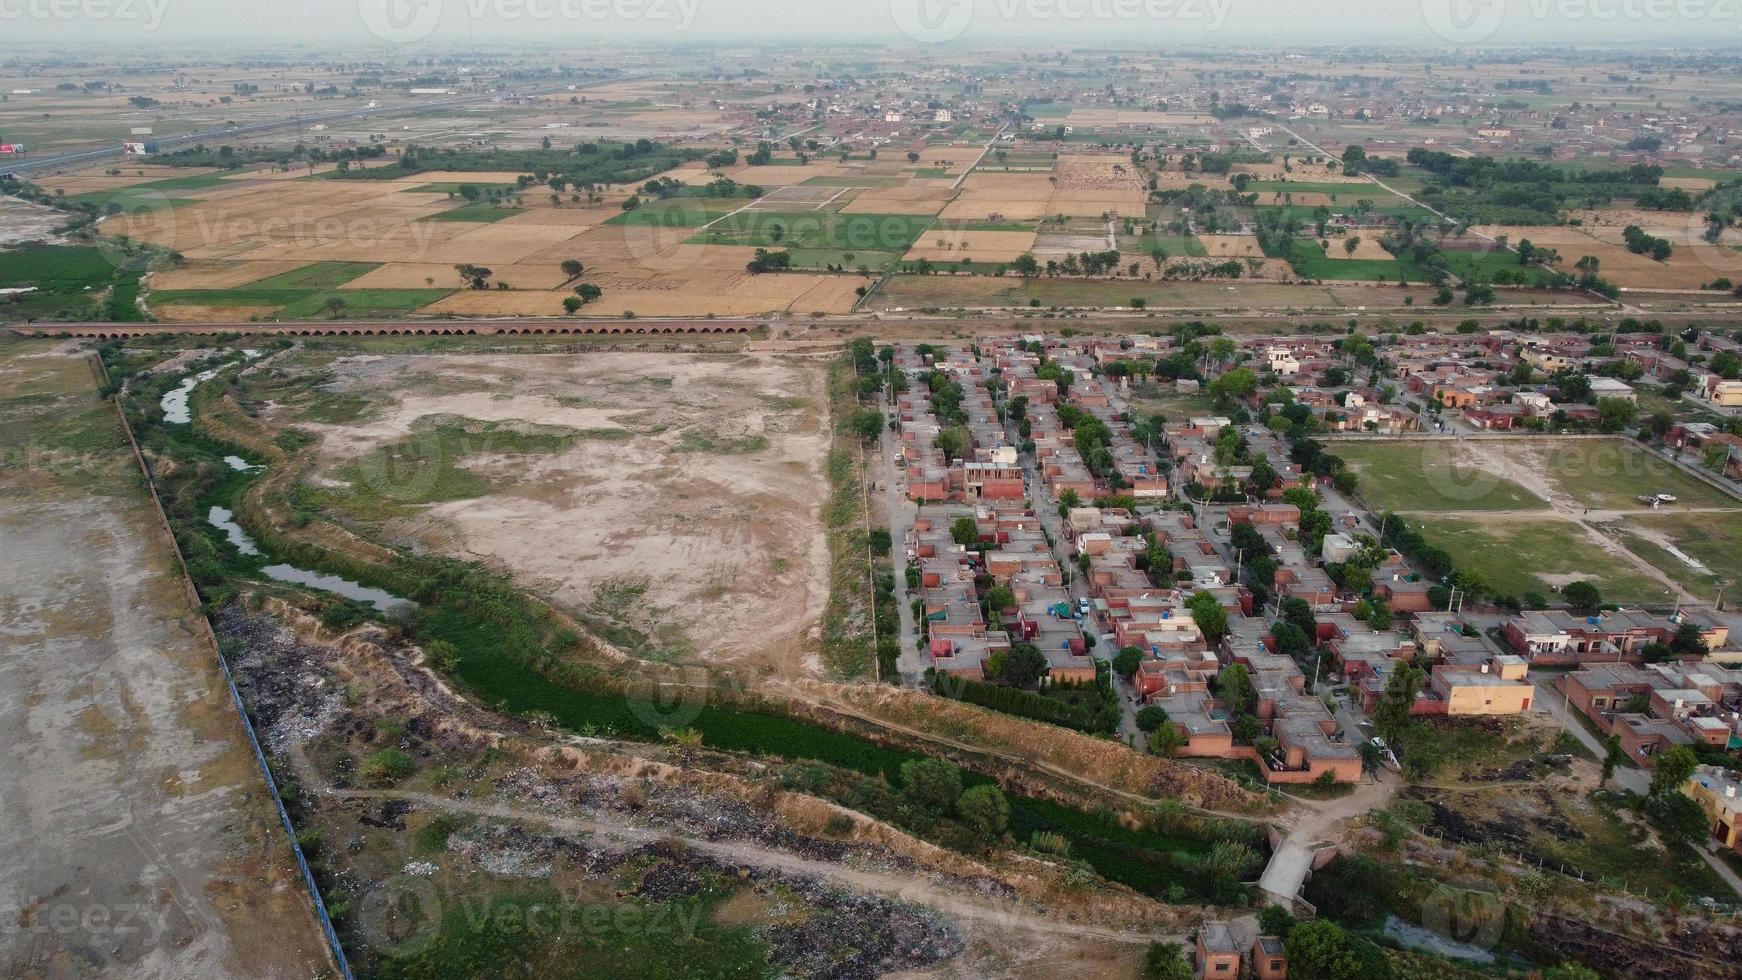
(387, 766)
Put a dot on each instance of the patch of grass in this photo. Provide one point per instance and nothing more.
(1430, 476)
(849, 259)
(483, 213)
(334, 407)
(699, 441)
(1609, 474)
(1512, 555)
(429, 466)
(148, 194)
(316, 275)
(1713, 540)
(513, 935)
(363, 302)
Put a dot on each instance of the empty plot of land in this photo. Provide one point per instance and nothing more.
(676, 509)
(1519, 556)
(953, 245)
(1231, 246)
(1431, 476)
(139, 836)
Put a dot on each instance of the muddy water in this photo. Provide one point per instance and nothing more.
(175, 401)
(384, 601)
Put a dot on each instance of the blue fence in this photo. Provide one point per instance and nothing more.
(308, 877)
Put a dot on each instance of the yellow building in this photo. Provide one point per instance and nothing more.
(1497, 687)
(1718, 792)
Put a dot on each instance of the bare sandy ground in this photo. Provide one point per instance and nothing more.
(690, 511)
(136, 834)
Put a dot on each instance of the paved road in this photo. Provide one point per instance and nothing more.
(1318, 824)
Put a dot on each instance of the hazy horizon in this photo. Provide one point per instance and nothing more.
(923, 24)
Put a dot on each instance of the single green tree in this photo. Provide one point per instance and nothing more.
(985, 809)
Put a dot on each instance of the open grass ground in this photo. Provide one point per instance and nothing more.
(148, 194)
(316, 275)
(1430, 476)
(1519, 556)
(1610, 474)
(1712, 540)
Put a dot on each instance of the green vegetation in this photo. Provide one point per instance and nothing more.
(147, 196)
(303, 302)
(818, 229)
(1713, 540)
(1610, 474)
(72, 282)
(1432, 477)
(1491, 552)
(677, 212)
(316, 275)
(483, 213)
(430, 466)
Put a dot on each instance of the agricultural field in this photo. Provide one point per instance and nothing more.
(669, 501)
(129, 771)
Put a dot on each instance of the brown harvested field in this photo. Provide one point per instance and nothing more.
(94, 179)
(775, 175)
(1690, 184)
(193, 313)
(689, 510)
(953, 245)
(1176, 180)
(916, 197)
(221, 274)
(1367, 247)
(1693, 263)
(991, 206)
(1231, 246)
(144, 841)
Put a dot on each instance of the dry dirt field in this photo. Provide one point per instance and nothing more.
(1693, 263)
(684, 508)
(140, 836)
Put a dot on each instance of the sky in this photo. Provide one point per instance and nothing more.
(935, 24)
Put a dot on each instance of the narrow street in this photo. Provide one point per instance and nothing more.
(900, 513)
(1552, 701)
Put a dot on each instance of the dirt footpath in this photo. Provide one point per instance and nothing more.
(137, 838)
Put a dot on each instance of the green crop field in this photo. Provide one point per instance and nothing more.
(70, 281)
(678, 212)
(813, 229)
(1429, 477)
(316, 275)
(476, 212)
